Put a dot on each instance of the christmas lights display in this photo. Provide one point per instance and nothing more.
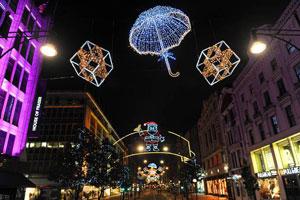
(217, 62)
(151, 136)
(158, 30)
(92, 63)
(150, 173)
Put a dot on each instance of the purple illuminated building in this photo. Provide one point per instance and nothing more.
(19, 70)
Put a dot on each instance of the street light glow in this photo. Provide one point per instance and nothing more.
(140, 148)
(145, 161)
(48, 50)
(258, 47)
(165, 148)
(161, 162)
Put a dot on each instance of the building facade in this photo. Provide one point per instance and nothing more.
(63, 113)
(234, 142)
(267, 98)
(213, 149)
(19, 71)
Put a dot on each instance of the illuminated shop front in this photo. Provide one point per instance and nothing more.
(285, 175)
(265, 170)
(217, 187)
(287, 152)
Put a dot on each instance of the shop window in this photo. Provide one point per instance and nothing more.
(269, 188)
(260, 164)
(296, 144)
(297, 71)
(286, 155)
(24, 82)
(2, 99)
(290, 115)
(5, 26)
(269, 159)
(9, 107)
(2, 140)
(9, 69)
(10, 144)
(274, 123)
(17, 113)
(17, 75)
(281, 87)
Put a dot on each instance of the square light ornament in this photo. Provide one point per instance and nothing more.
(217, 62)
(92, 63)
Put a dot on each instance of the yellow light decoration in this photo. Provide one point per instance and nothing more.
(217, 62)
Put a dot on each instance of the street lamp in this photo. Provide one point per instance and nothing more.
(145, 161)
(161, 161)
(165, 148)
(48, 50)
(140, 148)
(259, 46)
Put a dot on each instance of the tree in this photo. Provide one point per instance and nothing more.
(70, 170)
(250, 181)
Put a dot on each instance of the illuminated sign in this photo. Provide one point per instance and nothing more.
(292, 170)
(36, 113)
(266, 174)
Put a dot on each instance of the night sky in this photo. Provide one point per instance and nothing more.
(139, 89)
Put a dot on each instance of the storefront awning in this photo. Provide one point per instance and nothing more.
(14, 180)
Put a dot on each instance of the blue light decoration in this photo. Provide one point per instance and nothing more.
(158, 30)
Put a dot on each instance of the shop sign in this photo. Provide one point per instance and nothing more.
(292, 170)
(266, 174)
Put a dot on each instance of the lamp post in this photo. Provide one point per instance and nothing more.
(47, 49)
(259, 46)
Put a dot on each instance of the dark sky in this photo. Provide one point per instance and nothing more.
(139, 89)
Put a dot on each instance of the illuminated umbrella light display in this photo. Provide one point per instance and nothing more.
(92, 63)
(158, 30)
(217, 62)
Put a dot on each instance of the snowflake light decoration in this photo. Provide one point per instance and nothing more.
(158, 30)
(217, 62)
(92, 63)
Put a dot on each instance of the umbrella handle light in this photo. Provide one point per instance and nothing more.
(169, 69)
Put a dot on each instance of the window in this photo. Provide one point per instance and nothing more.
(297, 71)
(17, 75)
(9, 107)
(10, 144)
(2, 98)
(30, 54)
(261, 77)
(5, 26)
(24, 47)
(290, 48)
(25, 16)
(273, 64)
(30, 24)
(242, 96)
(251, 137)
(24, 82)
(281, 87)
(2, 140)
(17, 113)
(255, 107)
(9, 69)
(13, 4)
(261, 131)
(290, 115)
(297, 18)
(247, 118)
(17, 41)
(274, 123)
(267, 98)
